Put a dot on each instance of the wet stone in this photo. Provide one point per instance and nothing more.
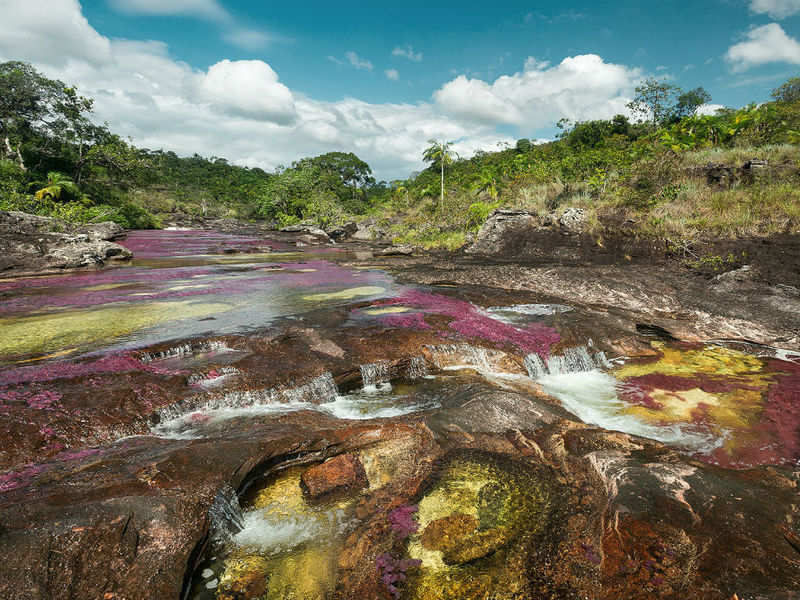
(341, 474)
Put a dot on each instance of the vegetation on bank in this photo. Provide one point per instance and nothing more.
(55, 161)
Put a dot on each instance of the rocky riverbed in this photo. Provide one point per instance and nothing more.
(240, 415)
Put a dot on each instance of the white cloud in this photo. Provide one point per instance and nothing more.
(777, 9)
(247, 88)
(207, 9)
(358, 62)
(709, 109)
(232, 31)
(580, 87)
(392, 74)
(408, 52)
(765, 44)
(241, 110)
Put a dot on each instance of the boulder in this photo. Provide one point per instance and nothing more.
(344, 473)
(32, 244)
(573, 220)
(310, 235)
(403, 250)
(502, 224)
(344, 232)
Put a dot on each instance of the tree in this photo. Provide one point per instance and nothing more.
(788, 92)
(689, 102)
(439, 154)
(654, 100)
(524, 145)
(58, 187)
(487, 182)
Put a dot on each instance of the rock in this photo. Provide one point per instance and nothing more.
(573, 220)
(344, 473)
(365, 232)
(476, 546)
(311, 235)
(493, 237)
(31, 244)
(445, 533)
(404, 250)
(344, 232)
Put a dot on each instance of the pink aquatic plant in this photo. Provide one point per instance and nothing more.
(470, 321)
(402, 520)
(393, 571)
(46, 400)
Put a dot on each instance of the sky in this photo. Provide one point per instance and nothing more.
(265, 83)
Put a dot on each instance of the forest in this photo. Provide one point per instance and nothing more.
(56, 161)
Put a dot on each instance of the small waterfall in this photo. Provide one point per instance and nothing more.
(374, 374)
(199, 378)
(535, 366)
(573, 360)
(184, 350)
(417, 368)
(472, 356)
(225, 515)
(317, 391)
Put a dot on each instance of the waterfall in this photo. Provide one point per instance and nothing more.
(417, 368)
(317, 391)
(535, 366)
(225, 515)
(573, 360)
(472, 356)
(184, 350)
(374, 374)
(199, 378)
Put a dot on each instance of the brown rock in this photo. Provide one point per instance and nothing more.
(443, 534)
(344, 473)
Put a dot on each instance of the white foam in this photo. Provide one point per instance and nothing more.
(275, 529)
(592, 397)
(501, 313)
(361, 406)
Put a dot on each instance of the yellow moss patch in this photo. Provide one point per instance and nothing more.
(347, 294)
(713, 360)
(53, 332)
(388, 310)
(105, 286)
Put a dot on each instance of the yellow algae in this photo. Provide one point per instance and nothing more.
(347, 294)
(388, 310)
(52, 332)
(306, 270)
(712, 360)
(504, 505)
(47, 356)
(105, 286)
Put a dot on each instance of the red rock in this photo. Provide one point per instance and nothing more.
(342, 473)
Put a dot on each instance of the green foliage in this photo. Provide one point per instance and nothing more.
(788, 92)
(478, 212)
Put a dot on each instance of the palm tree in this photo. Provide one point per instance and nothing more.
(58, 186)
(487, 182)
(439, 152)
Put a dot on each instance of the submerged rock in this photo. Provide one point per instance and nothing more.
(344, 473)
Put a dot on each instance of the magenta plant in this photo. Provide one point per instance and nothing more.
(403, 522)
(393, 571)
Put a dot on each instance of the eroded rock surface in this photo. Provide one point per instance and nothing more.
(30, 244)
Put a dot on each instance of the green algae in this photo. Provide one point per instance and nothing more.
(476, 525)
(54, 331)
(388, 310)
(347, 294)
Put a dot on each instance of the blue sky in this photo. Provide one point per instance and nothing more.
(378, 79)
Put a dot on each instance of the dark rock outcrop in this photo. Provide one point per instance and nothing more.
(31, 244)
(343, 233)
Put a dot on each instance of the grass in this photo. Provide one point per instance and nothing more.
(780, 154)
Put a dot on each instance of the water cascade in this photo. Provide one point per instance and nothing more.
(225, 515)
(184, 350)
(577, 359)
(460, 355)
(374, 374)
(417, 368)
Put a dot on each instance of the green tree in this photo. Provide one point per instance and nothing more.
(688, 102)
(58, 187)
(788, 92)
(439, 154)
(654, 100)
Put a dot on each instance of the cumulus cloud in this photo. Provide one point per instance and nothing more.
(408, 52)
(580, 87)
(762, 45)
(392, 74)
(358, 62)
(248, 88)
(777, 9)
(242, 111)
(709, 109)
